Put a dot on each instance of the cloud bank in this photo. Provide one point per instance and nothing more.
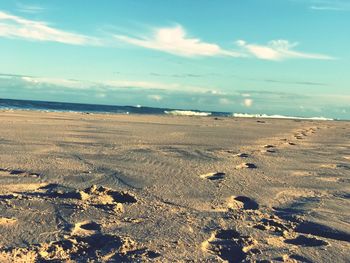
(107, 85)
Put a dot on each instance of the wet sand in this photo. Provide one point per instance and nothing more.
(118, 188)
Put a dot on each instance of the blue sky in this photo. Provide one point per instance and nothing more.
(286, 57)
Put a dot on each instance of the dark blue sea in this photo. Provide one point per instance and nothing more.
(95, 108)
(11, 104)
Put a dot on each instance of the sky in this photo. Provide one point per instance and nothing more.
(288, 57)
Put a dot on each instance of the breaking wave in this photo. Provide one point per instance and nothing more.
(265, 116)
(187, 113)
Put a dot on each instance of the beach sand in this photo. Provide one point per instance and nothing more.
(127, 188)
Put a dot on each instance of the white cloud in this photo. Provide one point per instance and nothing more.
(330, 5)
(174, 40)
(277, 50)
(73, 84)
(115, 84)
(248, 102)
(225, 101)
(101, 95)
(323, 8)
(30, 9)
(12, 26)
(159, 86)
(155, 97)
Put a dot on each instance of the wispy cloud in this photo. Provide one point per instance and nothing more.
(278, 50)
(174, 40)
(155, 97)
(330, 5)
(150, 85)
(272, 94)
(17, 27)
(325, 8)
(75, 84)
(184, 75)
(225, 101)
(42, 81)
(303, 83)
(30, 9)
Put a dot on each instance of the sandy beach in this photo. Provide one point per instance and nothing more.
(137, 188)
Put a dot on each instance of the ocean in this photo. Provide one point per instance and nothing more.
(11, 104)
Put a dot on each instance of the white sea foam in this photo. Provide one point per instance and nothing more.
(265, 116)
(187, 113)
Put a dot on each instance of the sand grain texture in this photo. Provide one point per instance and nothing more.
(116, 188)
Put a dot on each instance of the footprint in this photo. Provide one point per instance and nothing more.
(213, 176)
(335, 166)
(100, 197)
(320, 230)
(329, 166)
(93, 195)
(5, 221)
(246, 165)
(329, 179)
(21, 187)
(274, 224)
(299, 135)
(293, 258)
(229, 245)
(306, 241)
(343, 166)
(277, 242)
(90, 248)
(242, 155)
(302, 173)
(269, 146)
(105, 198)
(289, 196)
(227, 234)
(241, 202)
(17, 173)
(85, 228)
